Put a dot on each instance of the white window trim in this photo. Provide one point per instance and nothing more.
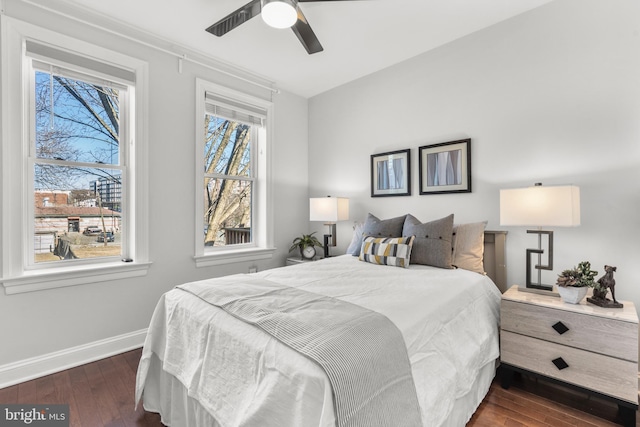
(14, 201)
(39, 280)
(262, 246)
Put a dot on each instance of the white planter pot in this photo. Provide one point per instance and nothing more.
(571, 294)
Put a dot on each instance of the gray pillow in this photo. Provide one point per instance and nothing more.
(432, 245)
(376, 227)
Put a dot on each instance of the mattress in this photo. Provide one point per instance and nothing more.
(228, 373)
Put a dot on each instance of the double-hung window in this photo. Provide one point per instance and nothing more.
(70, 209)
(232, 222)
(77, 161)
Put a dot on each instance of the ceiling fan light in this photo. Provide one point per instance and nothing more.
(279, 13)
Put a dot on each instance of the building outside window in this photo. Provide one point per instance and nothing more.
(110, 191)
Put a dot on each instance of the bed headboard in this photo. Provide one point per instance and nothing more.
(495, 262)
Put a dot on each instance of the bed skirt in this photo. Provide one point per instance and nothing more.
(164, 394)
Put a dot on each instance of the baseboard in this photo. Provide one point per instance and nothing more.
(36, 367)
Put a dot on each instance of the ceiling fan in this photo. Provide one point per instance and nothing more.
(277, 14)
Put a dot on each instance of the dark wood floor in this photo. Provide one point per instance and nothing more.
(102, 393)
(99, 393)
(529, 402)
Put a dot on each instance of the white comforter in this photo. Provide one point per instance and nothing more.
(244, 377)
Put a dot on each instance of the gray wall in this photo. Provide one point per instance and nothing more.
(549, 96)
(38, 323)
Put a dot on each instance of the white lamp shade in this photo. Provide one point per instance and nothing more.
(541, 206)
(279, 13)
(328, 209)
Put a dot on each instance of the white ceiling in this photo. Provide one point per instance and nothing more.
(359, 37)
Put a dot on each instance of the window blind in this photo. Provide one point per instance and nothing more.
(232, 109)
(69, 62)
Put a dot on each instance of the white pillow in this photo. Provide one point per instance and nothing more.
(468, 246)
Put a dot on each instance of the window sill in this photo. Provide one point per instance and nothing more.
(39, 280)
(233, 256)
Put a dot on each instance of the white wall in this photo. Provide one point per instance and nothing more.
(38, 323)
(550, 96)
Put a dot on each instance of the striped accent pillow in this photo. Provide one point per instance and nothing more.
(394, 251)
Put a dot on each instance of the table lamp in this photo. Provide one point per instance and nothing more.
(330, 210)
(553, 206)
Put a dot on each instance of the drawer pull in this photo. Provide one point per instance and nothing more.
(560, 328)
(560, 363)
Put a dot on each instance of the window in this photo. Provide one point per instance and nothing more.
(76, 160)
(78, 164)
(232, 181)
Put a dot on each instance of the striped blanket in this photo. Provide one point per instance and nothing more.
(361, 351)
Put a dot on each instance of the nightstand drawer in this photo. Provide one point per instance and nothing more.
(607, 375)
(593, 333)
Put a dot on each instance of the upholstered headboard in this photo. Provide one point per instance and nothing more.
(495, 263)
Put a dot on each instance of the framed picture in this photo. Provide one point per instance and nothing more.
(446, 167)
(391, 174)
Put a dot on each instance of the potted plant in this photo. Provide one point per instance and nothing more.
(574, 283)
(306, 245)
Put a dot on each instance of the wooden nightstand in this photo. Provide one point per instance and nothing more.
(580, 345)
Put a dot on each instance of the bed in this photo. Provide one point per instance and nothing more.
(201, 366)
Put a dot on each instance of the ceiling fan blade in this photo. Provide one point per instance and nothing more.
(236, 18)
(305, 34)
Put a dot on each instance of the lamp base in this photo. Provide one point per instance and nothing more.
(326, 245)
(332, 233)
(539, 286)
(329, 239)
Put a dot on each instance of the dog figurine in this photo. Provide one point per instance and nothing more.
(608, 282)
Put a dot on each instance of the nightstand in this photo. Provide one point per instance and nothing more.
(583, 346)
(298, 260)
